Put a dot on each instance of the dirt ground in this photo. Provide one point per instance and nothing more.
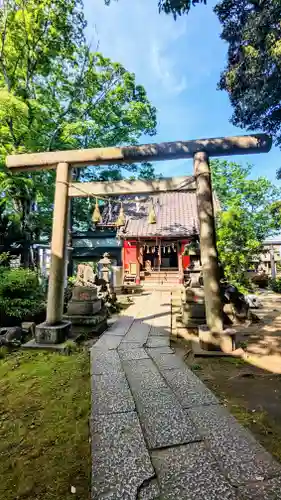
(252, 395)
(249, 385)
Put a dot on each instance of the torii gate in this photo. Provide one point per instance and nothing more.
(200, 150)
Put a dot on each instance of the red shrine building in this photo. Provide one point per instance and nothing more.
(154, 233)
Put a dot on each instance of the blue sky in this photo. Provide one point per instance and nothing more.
(179, 63)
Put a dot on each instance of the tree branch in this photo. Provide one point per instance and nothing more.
(9, 122)
(77, 85)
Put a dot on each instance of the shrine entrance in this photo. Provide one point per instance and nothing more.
(160, 255)
(200, 150)
(169, 256)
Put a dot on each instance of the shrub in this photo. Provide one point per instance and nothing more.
(21, 294)
(275, 285)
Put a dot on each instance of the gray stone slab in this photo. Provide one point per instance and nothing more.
(189, 472)
(108, 342)
(137, 353)
(162, 418)
(121, 326)
(160, 350)
(121, 462)
(117, 333)
(158, 342)
(167, 361)
(111, 394)
(104, 361)
(149, 491)
(236, 450)
(188, 388)
(262, 490)
(159, 332)
(143, 374)
(126, 346)
(138, 332)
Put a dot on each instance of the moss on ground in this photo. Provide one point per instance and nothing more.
(261, 425)
(44, 432)
(251, 395)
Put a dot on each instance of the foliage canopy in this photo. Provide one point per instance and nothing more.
(252, 76)
(247, 216)
(174, 7)
(56, 93)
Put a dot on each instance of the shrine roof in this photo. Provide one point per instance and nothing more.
(176, 215)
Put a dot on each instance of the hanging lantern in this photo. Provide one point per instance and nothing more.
(152, 216)
(153, 249)
(169, 249)
(121, 217)
(96, 217)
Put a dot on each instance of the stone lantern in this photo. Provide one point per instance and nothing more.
(105, 264)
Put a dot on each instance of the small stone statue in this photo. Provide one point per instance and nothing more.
(88, 279)
(85, 276)
(105, 292)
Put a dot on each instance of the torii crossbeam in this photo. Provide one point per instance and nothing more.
(200, 150)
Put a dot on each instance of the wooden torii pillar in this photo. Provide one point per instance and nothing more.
(200, 150)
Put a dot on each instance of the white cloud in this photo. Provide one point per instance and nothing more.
(164, 70)
(140, 39)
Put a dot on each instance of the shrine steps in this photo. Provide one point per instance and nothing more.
(162, 277)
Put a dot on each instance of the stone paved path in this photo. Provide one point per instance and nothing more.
(157, 431)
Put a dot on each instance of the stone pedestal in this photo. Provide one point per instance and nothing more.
(85, 312)
(193, 307)
(85, 326)
(84, 301)
(52, 334)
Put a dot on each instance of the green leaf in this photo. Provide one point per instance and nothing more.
(250, 213)
(56, 94)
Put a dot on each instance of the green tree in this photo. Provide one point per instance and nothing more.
(147, 172)
(247, 216)
(252, 76)
(34, 36)
(174, 7)
(57, 94)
